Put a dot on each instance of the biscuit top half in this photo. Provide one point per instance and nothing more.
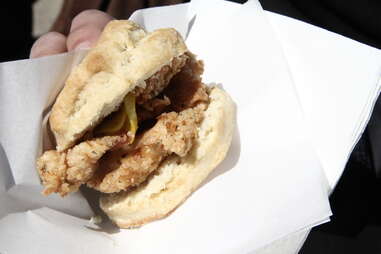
(123, 58)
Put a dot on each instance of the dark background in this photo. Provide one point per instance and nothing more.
(16, 35)
(355, 224)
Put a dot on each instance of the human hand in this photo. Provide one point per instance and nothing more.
(85, 29)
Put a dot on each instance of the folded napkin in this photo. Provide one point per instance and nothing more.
(338, 82)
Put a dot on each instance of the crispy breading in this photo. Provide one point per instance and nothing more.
(173, 133)
(152, 108)
(184, 91)
(187, 94)
(131, 170)
(64, 172)
(160, 80)
(52, 169)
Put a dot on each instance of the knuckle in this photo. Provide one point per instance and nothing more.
(51, 36)
(87, 33)
(95, 17)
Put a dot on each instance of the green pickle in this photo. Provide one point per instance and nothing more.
(130, 109)
(111, 124)
(122, 120)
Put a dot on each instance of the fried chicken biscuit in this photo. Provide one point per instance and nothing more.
(135, 121)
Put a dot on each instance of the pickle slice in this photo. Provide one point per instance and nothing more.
(130, 110)
(112, 124)
(124, 119)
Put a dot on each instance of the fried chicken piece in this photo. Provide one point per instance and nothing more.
(179, 95)
(173, 133)
(160, 80)
(152, 108)
(130, 170)
(186, 89)
(64, 172)
(187, 95)
(52, 169)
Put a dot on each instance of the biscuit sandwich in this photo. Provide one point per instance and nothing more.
(135, 122)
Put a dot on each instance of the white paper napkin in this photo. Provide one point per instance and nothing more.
(27, 88)
(48, 231)
(338, 82)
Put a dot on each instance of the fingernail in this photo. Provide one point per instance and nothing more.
(83, 45)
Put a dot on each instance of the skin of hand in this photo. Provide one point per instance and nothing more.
(84, 32)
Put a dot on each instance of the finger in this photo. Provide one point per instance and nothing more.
(48, 44)
(83, 38)
(86, 29)
(93, 17)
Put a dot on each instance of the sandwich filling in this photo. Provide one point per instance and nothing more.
(157, 119)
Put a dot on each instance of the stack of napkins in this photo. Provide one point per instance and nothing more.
(303, 97)
(338, 83)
